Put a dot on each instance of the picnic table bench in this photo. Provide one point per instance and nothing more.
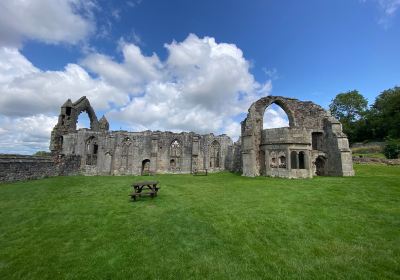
(150, 188)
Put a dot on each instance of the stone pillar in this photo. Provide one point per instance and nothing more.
(154, 153)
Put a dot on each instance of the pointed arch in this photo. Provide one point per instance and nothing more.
(275, 116)
(145, 167)
(175, 148)
(83, 105)
(125, 148)
(175, 154)
(293, 160)
(91, 150)
(215, 154)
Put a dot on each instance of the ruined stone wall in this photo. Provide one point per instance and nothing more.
(124, 153)
(19, 167)
(105, 152)
(309, 123)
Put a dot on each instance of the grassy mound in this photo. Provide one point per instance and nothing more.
(221, 226)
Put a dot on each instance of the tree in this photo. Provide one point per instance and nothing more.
(350, 108)
(350, 105)
(384, 115)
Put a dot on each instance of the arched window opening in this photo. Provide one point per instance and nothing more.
(302, 160)
(68, 111)
(320, 166)
(83, 121)
(125, 147)
(274, 117)
(316, 140)
(175, 149)
(273, 163)
(282, 162)
(215, 153)
(92, 149)
(293, 160)
(175, 152)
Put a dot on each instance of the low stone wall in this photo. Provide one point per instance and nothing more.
(366, 160)
(20, 167)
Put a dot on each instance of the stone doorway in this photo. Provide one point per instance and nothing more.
(145, 167)
(320, 166)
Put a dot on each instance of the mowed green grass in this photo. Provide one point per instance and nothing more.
(222, 226)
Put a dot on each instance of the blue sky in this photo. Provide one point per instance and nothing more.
(201, 57)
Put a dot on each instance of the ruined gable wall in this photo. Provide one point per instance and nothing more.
(305, 116)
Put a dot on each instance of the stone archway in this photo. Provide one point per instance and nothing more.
(320, 166)
(83, 105)
(145, 167)
(252, 128)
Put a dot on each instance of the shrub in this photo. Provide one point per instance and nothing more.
(392, 148)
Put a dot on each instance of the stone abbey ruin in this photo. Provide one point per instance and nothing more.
(313, 144)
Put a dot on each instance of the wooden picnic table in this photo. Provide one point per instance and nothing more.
(150, 188)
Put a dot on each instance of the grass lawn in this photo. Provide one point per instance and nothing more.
(222, 226)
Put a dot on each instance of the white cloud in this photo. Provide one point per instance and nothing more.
(233, 129)
(390, 7)
(25, 135)
(132, 74)
(202, 86)
(275, 116)
(26, 90)
(50, 21)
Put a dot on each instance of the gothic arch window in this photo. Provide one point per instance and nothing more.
(273, 162)
(302, 159)
(92, 149)
(175, 153)
(282, 161)
(215, 153)
(293, 160)
(83, 121)
(175, 149)
(125, 147)
(275, 116)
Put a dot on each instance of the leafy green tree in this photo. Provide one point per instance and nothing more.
(350, 108)
(384, 116)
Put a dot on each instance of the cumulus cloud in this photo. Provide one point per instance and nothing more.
(50, 21)
(26, 90)
(25, 135)
(202, 86)
(132, 74)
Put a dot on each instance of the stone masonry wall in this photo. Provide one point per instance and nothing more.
(20, 168)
